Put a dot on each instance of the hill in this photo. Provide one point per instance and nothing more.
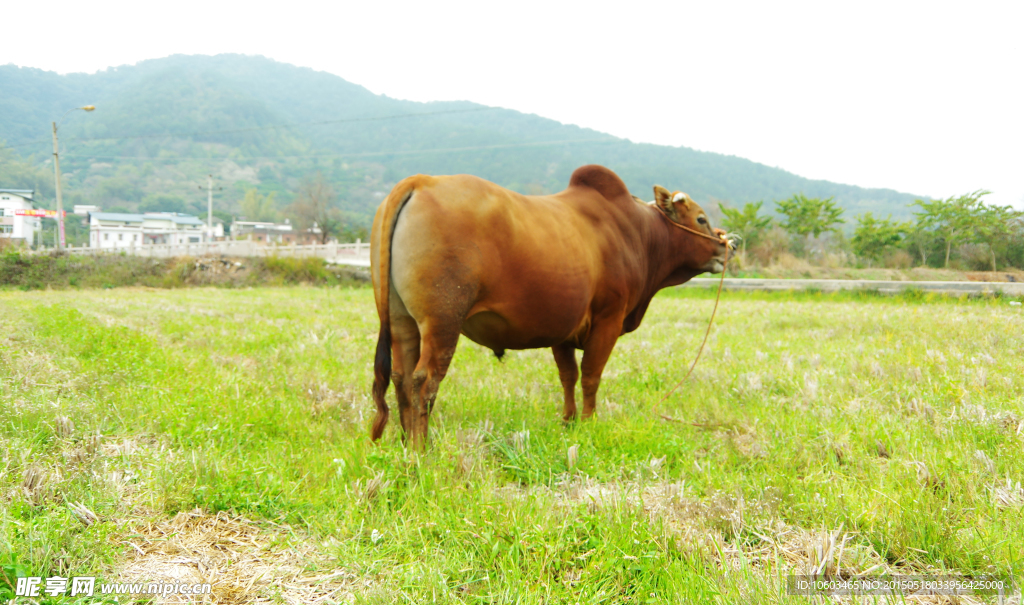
(162, 125)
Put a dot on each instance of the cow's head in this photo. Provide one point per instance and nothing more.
(682, 210)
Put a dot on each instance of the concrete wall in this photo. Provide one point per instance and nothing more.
(357, 254)
(832, 285)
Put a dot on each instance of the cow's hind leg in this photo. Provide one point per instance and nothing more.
(568, 373)
(438, 342)
(438, 285)
(405, 351)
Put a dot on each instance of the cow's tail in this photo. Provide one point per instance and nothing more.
(382, 361)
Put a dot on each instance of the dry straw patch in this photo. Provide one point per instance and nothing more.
(243, 562)
(28, 369)
(347, 404)
(746, 535)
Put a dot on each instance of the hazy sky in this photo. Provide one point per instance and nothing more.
(922, 97)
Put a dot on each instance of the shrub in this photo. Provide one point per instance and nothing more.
(771, 245)
(898, 259)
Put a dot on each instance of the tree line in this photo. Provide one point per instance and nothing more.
(315, 206)
(960, 231)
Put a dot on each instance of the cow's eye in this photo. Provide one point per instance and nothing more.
(702, 220)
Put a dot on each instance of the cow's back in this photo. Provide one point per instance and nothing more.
(523, 270)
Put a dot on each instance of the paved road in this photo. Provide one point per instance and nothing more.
(355, 261)
(832, 285)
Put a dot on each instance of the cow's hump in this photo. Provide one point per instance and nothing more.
(602, 180)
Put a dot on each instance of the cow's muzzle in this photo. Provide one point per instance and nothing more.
(726, 249)
(715, 265)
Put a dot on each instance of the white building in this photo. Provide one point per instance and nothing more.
(217, 233)
(268, 233)
(85, 209)
(15, 226)
(117, 230)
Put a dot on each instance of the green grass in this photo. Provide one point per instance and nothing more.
(256, 402)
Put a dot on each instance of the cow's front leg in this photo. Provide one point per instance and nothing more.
(596, 351)
(568, 373)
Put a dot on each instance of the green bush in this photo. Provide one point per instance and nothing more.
(292, 270)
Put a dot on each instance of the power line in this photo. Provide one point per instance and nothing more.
(294, 125)
(343, 155)
(258, 128)
(36, 142)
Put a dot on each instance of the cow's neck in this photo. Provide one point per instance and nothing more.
(668, 247)
(664, 247)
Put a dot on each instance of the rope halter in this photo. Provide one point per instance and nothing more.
(722, 239)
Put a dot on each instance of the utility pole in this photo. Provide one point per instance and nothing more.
(56, 177)
(60, 202)
(209, 205)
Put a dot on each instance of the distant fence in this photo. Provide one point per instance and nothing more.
(832, 285)
(357, 254)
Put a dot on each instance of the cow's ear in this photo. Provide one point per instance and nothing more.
(663, 198)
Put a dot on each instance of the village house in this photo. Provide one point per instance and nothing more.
(16, 225)
(216, 234)
(267, 233)
(275, 233)
(124, 230)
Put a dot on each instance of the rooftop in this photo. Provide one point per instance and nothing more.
(22, 193)
(260, 226)
(175, 217)
(116, 216)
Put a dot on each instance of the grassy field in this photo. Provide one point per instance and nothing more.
(220, 436)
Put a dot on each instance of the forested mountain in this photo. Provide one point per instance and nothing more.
(161, 126)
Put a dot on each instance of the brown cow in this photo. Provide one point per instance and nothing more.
(457, 255)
